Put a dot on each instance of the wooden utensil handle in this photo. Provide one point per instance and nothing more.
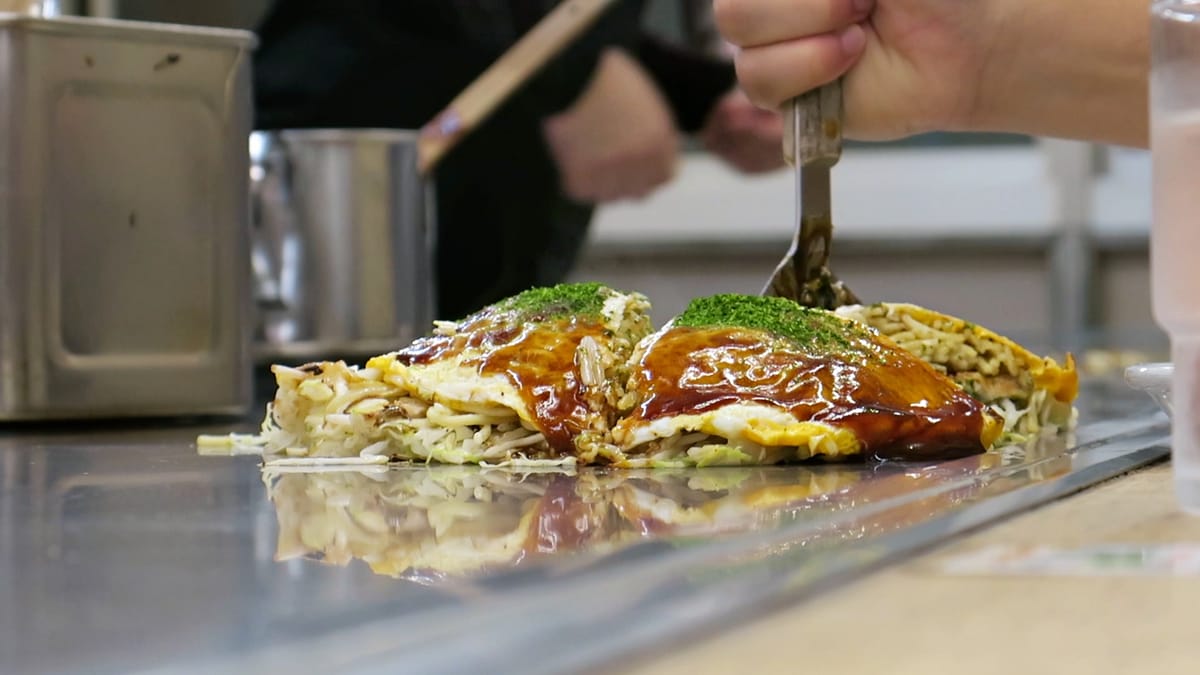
(530, 54)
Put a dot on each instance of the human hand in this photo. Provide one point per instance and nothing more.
(910, 65)
(618, 140)
(743, 134)
(913, 66)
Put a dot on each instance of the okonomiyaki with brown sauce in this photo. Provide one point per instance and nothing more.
(573, 375)
(757, 380)
(532, 379)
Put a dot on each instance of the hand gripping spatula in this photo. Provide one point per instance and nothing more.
(812, 144)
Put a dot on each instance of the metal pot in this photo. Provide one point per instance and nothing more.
(344, 228)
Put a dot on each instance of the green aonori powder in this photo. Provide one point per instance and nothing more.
(585, 299)
(778, 316)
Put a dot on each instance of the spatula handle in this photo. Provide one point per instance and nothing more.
(812, 126)
(522, 61)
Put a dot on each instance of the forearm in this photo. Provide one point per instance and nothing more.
(692, 83)
(570, 73)
(1072, 68)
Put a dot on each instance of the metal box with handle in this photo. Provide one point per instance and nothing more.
(124, 253)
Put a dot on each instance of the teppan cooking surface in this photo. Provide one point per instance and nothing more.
(124, 550)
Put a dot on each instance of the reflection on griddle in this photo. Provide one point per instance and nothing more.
(429, 523)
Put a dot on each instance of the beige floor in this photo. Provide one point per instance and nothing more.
(915, 619)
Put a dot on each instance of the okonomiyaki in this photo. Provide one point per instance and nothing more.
(575, 374)
(740, 379)
(533, 379)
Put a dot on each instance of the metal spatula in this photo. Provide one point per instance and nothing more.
(812, 143)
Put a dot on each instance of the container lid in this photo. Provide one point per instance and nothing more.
(129, 30)
(347, 135)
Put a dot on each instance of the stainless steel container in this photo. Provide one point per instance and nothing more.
(124, 252)
(344, 233)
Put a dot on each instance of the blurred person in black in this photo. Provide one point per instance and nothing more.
(600, 123)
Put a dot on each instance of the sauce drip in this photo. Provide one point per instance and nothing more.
(897, 405)
(537, 357)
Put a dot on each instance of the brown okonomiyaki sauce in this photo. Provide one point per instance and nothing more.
(537, 355)
(895, 403)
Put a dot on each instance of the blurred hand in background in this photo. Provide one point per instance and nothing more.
(618, 139)
(744, 135)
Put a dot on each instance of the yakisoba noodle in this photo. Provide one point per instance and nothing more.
(331, 410)
(1031, 394)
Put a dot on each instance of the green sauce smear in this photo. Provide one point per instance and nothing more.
(779, 316)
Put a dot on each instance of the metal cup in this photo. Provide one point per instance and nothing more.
(344, 229)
